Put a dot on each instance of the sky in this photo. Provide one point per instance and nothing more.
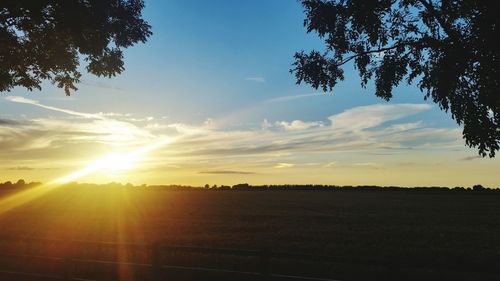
(209, 100)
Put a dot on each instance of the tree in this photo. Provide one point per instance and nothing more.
(478, 187)
(47, 39)
(448, 48)
(20, 182)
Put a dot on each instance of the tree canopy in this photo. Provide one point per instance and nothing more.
(47, 39)
(448, 48)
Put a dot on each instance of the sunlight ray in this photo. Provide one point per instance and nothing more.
(111, 162)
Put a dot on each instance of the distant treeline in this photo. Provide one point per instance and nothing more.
(247, 187)
(320, 187)
(19, 184)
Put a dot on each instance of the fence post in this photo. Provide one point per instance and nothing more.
(264, 264)
(156, 269)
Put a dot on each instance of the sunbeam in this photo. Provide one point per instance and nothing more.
(112, 162)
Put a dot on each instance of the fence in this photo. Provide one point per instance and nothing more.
(155, 267)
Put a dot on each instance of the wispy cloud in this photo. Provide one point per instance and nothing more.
(298, 125)
(342, 134)
(405, 126)
(208, 149)
(18, 99)
(348, 130)
(330, 164)
(294, 97)
(368, 165)
(227, 172)
(470, 158)
(20, 168)
(257, 79)
(8, 122)
(41, 133)
(284, 165)
(100, 84)
(407, 163)
(364, 117)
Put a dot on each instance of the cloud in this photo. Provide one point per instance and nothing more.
(276, 139)
(330, 164)
(266, 125)
(367, 165)
(284, 165)
(358, 131)
(18, 99)
(257, 79)
(101, 85)
(8, 122)
(294, 97)
(227, 172)
(298, 125)
(470, 158)
(405, 126)
(43, 133)
(20, 168)
(113, 114)
(369, 116)
(360, 118)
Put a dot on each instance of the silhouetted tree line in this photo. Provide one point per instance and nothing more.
(19, 184)
(320, 187)
(247, 187)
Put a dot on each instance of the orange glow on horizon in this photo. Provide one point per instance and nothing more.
(112, 162)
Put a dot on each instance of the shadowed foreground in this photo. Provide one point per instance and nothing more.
(377, 235)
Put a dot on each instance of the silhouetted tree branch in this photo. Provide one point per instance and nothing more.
(47, 39)
(448, 47)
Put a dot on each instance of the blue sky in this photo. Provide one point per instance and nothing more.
(220, 69)
(209, 52)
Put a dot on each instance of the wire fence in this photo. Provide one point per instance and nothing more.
(70, 262)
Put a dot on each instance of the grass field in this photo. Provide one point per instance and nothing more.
(377, 234)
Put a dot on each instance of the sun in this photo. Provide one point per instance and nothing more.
(113, 163)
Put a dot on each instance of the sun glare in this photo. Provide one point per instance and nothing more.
(113, 163)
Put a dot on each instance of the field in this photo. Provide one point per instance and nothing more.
(383, 235)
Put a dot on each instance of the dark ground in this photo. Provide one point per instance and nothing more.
(376, 235)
